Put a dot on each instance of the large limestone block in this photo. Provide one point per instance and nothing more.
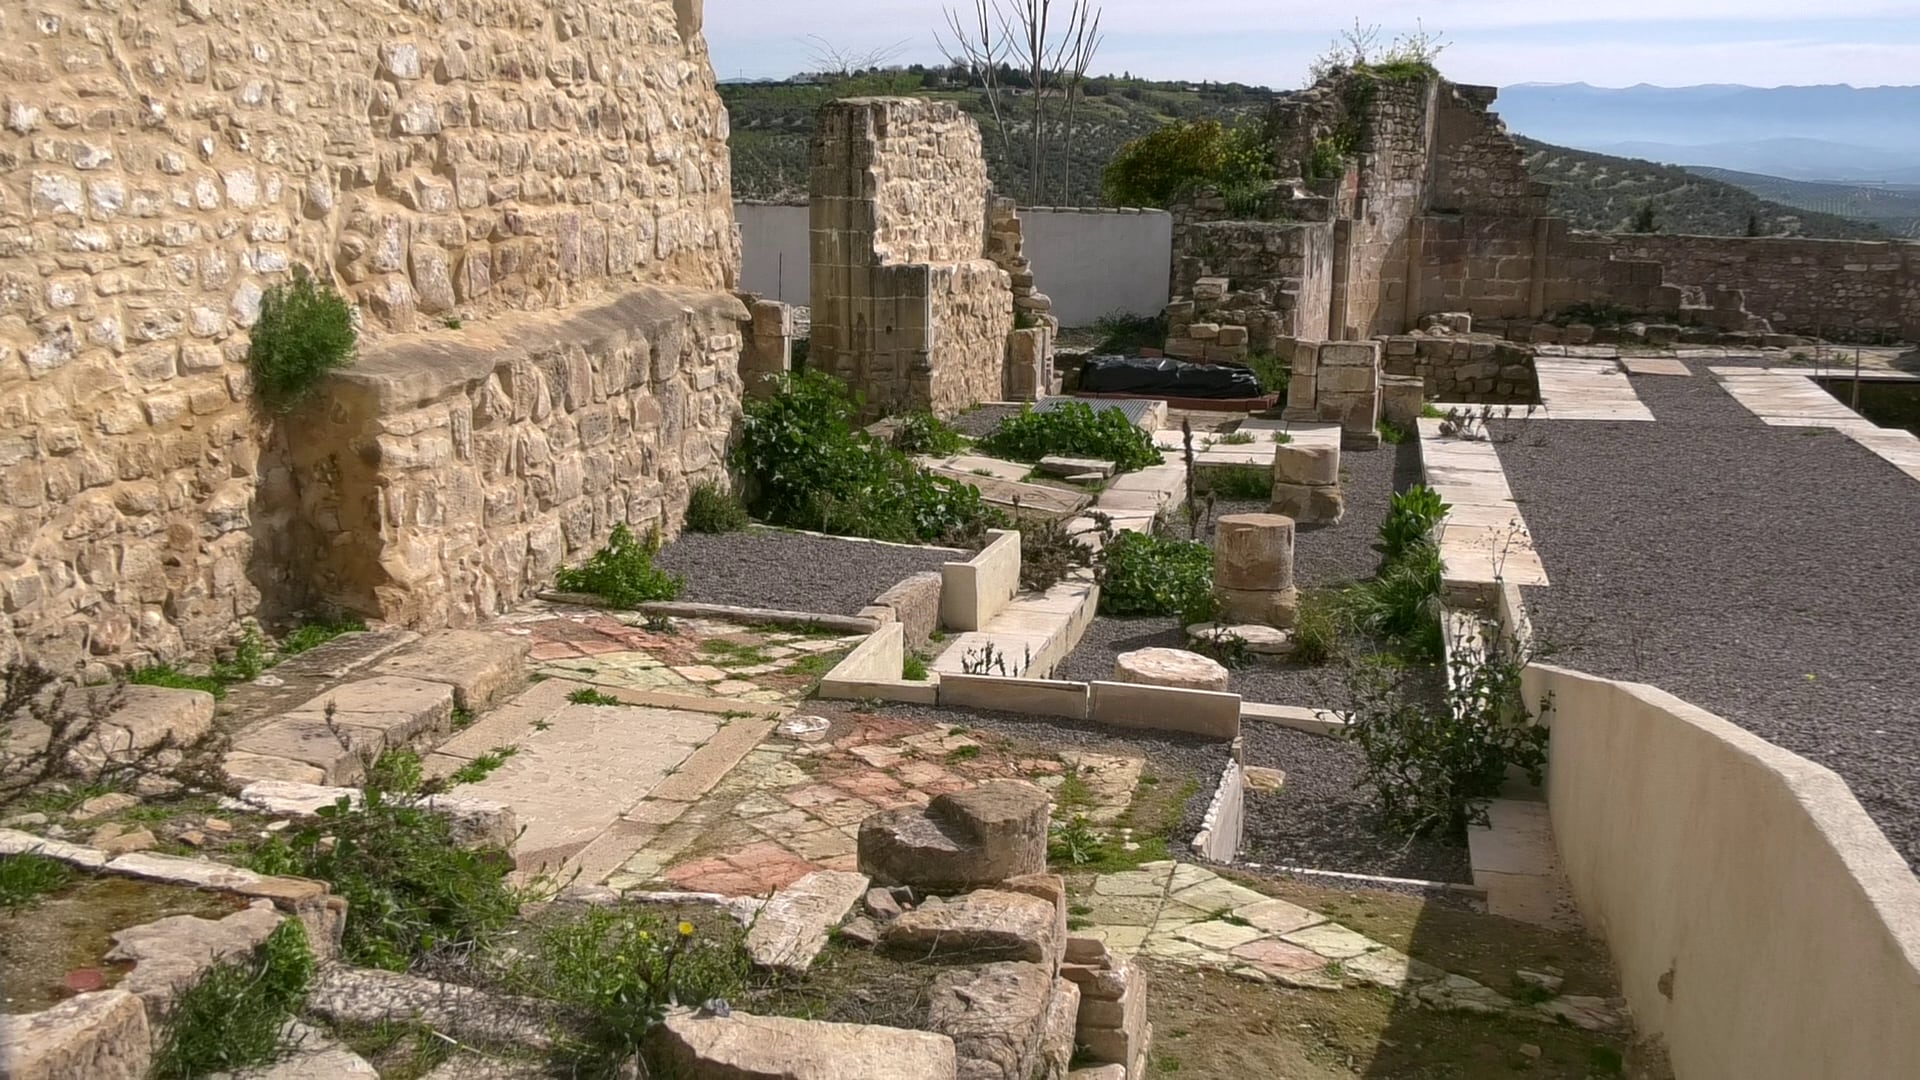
(1170, 667)
(368, 996)
(979, 836)
(915, 603)
(1302, 503)
(988, 924)
(1311, 465)
(744, 1047)
(996, 1015)
(480, 666)
(791, 928)
(1269, 607)
(1058, 1035)
(169, 955)
(1253, 551)
(99, 1036)
(1401, 399)
(400, 708)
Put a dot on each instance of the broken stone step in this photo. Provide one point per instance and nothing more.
(101, 1034)
(368, 717)
(1059, 465)
(741, 1045)
(988, 924)
(792, 928)
(481, 667)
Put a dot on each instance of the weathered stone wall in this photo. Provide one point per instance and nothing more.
(1840, 289)
(1371, 298)
(1475, 369)
(167, 163)
(445, 477)
(1280, 273)
(1513, 267)
(1476, 167)
(907, 307)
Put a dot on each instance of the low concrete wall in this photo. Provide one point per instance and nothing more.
(1165, 708)
(1761, 923)
(974, 591)
(1091, 262)
(872, 671)
(1220, 831)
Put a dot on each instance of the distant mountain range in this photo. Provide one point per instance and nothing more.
(1840, 133)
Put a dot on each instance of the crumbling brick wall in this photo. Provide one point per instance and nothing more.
(907, 307)
(167, 163)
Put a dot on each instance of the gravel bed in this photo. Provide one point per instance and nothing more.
(790, 571)
(1319, 820)
(1764, 573)
(1165, 752)
(979, 422)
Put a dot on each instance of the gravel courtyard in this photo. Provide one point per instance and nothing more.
(791, 571)
(1765, 573)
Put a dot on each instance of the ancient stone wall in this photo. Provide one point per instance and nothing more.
(1512, 267)
(907, 307)
(1371, 296)
(445, 477)
(167, 163)
(1840, 289)
(1281, 275)
(1477, 168)
(1471, 369)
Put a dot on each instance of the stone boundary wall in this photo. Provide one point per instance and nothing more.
(906, 305)
(167, 163)
(1762, 925)
(1840, 289)
(443, 478)
(1472, 369)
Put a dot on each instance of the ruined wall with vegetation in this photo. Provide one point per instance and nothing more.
(168, 163)
(907, 307)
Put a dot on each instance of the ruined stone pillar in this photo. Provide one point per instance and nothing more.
(1253, 569)
(1348, 391)
(1306, 483)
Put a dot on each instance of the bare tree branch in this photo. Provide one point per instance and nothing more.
(976, 48)
(843, 62)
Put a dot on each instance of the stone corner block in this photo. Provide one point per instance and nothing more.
(481, 667)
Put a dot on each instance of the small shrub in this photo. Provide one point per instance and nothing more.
(1234, 438)
(713, 509)
(1434, 767)
(1316, 629)
(251, 655)
(1049, 551)
(1158, 168)
(806, 466)
(1225, 647)
(587, 695)
(1125, 335)
(1273, 372)
(924, 433)
(24, 879)
(913, 667)
(174, 679)
(410, 889)
(317, 632)
(1074, 429)
(622, 573)
(1403, 601)
(1391, 433)
(233, 1017)
(621, 970)
(1430, 411)
(1411, 519)
(305, 330)
(1142, 574)
(1240, 482)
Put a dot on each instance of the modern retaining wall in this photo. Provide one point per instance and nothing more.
(974, 591)
(1762, 925)
(1092, 262)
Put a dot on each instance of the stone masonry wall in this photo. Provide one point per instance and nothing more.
(907, 307)
(166, 163)
(1841, 289)
(1372, 299)
(445, 477)
(1476, 167)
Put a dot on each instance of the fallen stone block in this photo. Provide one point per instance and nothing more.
(401, 709)
(1170, 667)
(1060, 1033)
(145, 717)
(1312, 466)
(744, 1047)
(983, 926)
(98, 1036)
(477, 822)
(1321, 505)
(481, 667)
(915, 603)
(979, 836)
(365, 996)
(996, 1015)
(1059, 465)
(169, 955)
(792, 928)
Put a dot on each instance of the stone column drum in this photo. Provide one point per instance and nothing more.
(1253, 569)
(1306, 483)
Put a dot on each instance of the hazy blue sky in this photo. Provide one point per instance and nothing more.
(1270, 42)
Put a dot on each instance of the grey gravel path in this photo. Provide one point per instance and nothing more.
(1768, 574)
(792, 571)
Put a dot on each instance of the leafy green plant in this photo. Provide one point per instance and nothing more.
(1273, 372)
(1156, 169)
(173, 678)
(1239, 482)
(317, 632)
(1411, 519)
(620, 970)
(305, 330)
(1142, 574)
(713, 509)
(234, 1016)
(251, 655)
(1434, 766)
(1430, 411)
(913, 667)
(410, 889)
(1403, 601)
(587, 695)
(806, 466)
(1074, 843)
(1225, 647)
(1316, 628)
(1329, 157)
(1391, 433)
(1074, 429)
(924, 433)
(25, 878)
(622, 573)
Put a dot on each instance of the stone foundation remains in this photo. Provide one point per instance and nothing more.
(440, 165)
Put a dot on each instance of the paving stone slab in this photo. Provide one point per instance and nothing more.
(339, 753)
(481, 666)
(981, 926)
(169, 955)
(98, 1036)
(1333, 941)
(403, 708)
(792, 928)
(742, 1046)
(365, 996)
(292, 681)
